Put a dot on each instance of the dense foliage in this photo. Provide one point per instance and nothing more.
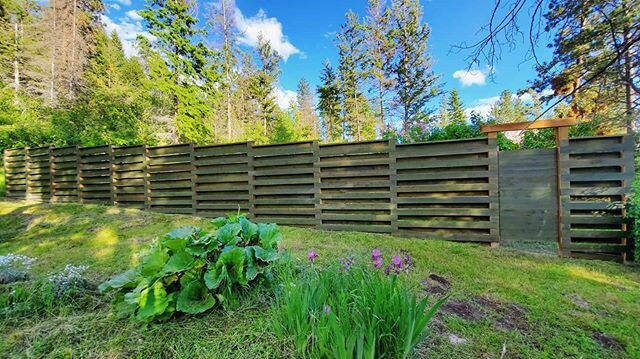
(190, 270)
(352, 310)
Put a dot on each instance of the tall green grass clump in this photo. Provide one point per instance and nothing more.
(351, 311)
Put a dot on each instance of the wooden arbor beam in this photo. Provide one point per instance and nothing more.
(492, 130)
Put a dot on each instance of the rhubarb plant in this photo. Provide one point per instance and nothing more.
(190, 270)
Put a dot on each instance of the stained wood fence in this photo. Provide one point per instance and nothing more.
(442, 190)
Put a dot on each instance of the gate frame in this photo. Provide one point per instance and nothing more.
(561, 130)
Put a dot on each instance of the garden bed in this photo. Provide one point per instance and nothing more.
(500, 300)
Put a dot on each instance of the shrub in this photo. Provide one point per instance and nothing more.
(348, 310)
(15, 268)
(190, 270)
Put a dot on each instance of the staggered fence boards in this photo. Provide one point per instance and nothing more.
(169, 187)
(221, 179)
(282, 183)
(15, 167)
(457, 190)
(355, 187)
(594, 189)
(64, 174)
(95, 174)
(39, 174)
(448, 190)
(128, 176)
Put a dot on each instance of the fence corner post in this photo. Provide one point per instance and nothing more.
(562, 165)
(316, 185)
(494, 189)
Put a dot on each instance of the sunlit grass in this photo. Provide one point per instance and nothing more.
(107, 239)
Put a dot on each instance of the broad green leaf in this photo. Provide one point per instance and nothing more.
(269, 235)
(123, 308)
(175, 244)
(219, 222)
(179, 262)
(251, 271)
(182, 232)
(195, 298)
(233, 259)
(266, 255)
(123, 280)
(153, 301)
(249, 229)
(153, 262)
(214, 276)
(228, 234)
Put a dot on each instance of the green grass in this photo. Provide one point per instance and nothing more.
(543, 288)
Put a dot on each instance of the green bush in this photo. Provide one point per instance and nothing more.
(350, 311)
(190, 270)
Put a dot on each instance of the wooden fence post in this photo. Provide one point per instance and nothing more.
(316, 184)
(494, 190)
(251, 180)
(562, 163)
(192, 161)
(393, 185)
(145, 166)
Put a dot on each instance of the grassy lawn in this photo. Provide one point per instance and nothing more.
(534, 306)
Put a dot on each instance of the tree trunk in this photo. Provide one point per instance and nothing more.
(16, 49)
(72, 85)
(53, 56)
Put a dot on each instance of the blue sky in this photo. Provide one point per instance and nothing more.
(304, 33)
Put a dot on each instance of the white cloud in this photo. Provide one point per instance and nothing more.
(133, 15)
(471, 77)
(114, 6)
(284, 97)
(251, 28)
(128, 31)
(483, 105)
(124, 2)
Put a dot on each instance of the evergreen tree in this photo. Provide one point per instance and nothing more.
(415, 82)
(174, 26)
(379, 53)
(595, 60)
(456, 108)
(358, 119)
(329, 104)
(223, 20)
(306, 118)
(262, 85)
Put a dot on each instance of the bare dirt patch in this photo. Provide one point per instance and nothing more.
(435, 284)
(607, 341)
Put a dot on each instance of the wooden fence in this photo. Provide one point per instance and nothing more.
(443, 190)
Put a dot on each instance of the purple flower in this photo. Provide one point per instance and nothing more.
(377, 263)
(312, 255)
(375, 254)
(397, 261)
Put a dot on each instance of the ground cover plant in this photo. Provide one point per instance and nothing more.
(189, 270)
(532, 305)
(352, 310)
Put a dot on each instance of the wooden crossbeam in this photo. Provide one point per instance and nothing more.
(516, 126)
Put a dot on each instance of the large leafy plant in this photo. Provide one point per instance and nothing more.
(190, 270)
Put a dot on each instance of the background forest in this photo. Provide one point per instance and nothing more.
(65, 80)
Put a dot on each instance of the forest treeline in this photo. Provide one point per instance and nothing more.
(65, 80)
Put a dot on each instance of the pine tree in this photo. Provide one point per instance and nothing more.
(379, 53)
(329, 104)
(174, 26)
(262, 85)
(306, 118)
(456, 108)
(595, 60)
(510, 108)
(223, 20)
(357, 115)
(415, 82)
